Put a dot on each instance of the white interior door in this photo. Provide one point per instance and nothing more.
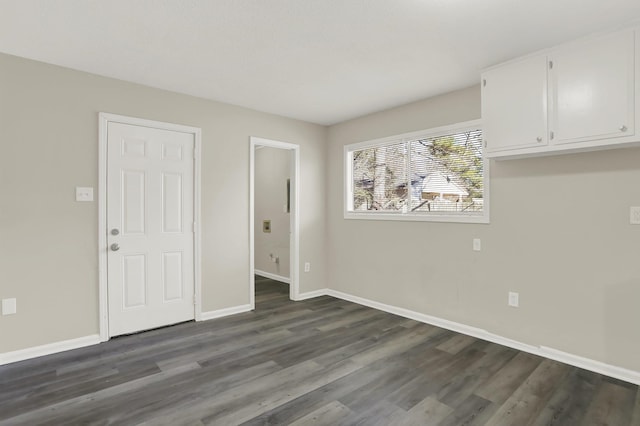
(150, 226)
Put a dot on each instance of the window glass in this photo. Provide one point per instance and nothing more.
(437, 174)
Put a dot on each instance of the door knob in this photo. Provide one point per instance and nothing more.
(623, 128)
(115, 231)
(115, 247)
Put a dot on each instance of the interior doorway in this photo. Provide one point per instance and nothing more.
(274, 213)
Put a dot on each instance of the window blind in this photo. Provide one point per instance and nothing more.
(421, 175)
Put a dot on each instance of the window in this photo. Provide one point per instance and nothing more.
(438, 174)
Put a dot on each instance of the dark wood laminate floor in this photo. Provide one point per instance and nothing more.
(321, 361)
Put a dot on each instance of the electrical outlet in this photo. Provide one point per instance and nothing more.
(9, 306)
(634, 215)
(477, 246)
(307, 266)
(514, 299)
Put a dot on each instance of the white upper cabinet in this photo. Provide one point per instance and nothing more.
(576, 97)
(514, 105)
(592, 90)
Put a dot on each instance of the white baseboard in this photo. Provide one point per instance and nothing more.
(273, 276)
(312, 294)
(67, 345)
(225, 312)
(616, 372)
(48, 349)
(620, 373)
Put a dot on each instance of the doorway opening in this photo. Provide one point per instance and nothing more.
(274, 213)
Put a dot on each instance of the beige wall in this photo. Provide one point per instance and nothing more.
(559, 231)
(559, 235)
(48, 242)
(272, 169)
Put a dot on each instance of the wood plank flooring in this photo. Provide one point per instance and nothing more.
(323, 362)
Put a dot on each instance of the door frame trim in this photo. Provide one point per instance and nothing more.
(103, 121)
(294, 240)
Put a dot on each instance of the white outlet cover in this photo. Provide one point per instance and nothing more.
(514, 299)
(9, 306)
(477, 245)
(84, 193)
(307, 267)
(634, 215)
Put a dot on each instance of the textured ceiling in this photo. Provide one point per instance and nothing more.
(322, 61)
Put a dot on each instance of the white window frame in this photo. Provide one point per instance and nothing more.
(460, 217)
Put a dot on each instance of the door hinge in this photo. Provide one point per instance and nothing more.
(551, 135)
(550, 65)
(195, 301)
(193, 227)
(485, 143)
(484, 82)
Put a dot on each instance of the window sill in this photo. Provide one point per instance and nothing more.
(419, 217)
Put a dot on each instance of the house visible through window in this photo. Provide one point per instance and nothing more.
(437, 174)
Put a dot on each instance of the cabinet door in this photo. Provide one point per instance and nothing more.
(514, 105)
(592, 90)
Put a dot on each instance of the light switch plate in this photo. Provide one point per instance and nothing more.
(84, 193)
(477, 245)
(9, 306)
(634, 215)
(514, 299)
